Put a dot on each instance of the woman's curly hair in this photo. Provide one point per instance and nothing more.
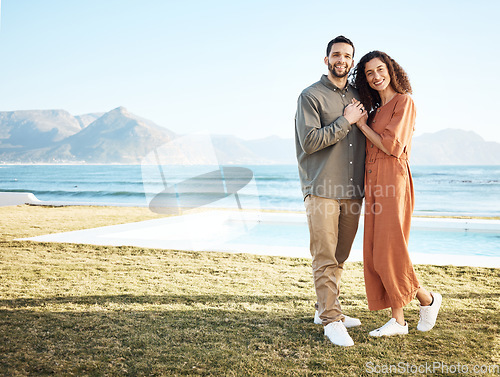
(370, 97)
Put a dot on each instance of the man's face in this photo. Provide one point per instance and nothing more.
(340, 60)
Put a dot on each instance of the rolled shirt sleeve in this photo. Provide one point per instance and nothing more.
(312, 136)
(398, 132)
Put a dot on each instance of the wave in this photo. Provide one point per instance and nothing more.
(80, 194)
(277, 179)
(476, 182)
(275, 187)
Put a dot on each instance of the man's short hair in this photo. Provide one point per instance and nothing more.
(339, 39)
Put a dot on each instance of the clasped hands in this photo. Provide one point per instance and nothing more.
(355, 112)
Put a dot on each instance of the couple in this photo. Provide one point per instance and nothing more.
(352, 140)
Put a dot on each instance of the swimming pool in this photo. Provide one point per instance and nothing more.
(428, 235)
(432, 241)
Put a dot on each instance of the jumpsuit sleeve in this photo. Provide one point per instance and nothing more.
(312, 137)
(398, 132)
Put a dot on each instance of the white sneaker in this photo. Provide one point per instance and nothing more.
(428, 314)
(338, 335)
(317, 320)
(351, 322)
(390, 328)
(348, 321)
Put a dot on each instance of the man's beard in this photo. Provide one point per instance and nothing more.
(331, 68)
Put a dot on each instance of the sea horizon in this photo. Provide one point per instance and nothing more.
(457, 189)
(450, 191)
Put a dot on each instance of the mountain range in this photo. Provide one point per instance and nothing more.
(118, 136)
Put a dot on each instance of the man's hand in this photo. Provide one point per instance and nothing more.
(354, 111)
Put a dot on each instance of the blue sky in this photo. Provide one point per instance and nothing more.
(237, 67)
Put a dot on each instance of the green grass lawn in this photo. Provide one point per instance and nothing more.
(93, 310)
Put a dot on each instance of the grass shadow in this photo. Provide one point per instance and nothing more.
(218, 334)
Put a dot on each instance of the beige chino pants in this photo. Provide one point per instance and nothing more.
(332, 227)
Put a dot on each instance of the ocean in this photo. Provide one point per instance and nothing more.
(447, 190)
(451, 190)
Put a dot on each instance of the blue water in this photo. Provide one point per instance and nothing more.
(458, 190)
(421, 241)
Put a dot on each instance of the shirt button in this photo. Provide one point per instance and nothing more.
(373, 121)
(351, 179)
(369, 171)
(350, 145)
(371, 146)
(350, 162)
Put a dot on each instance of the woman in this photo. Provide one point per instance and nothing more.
(390, 279)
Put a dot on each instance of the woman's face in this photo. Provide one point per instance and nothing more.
(377, 74)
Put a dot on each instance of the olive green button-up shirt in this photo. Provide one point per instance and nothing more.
(330, 151)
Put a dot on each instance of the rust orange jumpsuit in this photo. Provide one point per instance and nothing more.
(390, 279)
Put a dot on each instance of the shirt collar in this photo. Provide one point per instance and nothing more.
(330, 85)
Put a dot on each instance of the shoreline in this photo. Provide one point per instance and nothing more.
(28, 198)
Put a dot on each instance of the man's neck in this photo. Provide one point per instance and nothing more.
(339, 82)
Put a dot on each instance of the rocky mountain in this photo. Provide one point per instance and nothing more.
(454, 147)
(86, 119)
(445, 147)
(118, 136)
(55, 136)
(31, 129)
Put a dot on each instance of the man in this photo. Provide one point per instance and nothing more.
(331, 158)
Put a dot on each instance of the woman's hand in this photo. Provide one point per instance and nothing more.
(363, 121)
(370, 134)
(354, 111)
